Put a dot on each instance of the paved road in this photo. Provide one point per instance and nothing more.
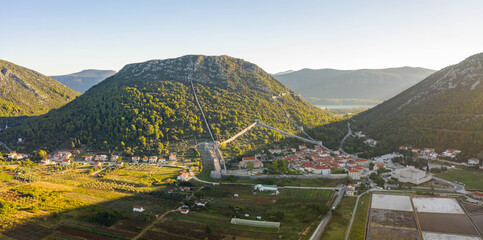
(349, 133)
(1, 143)
(458, 187)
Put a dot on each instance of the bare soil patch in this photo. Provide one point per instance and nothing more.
(29, 232)
(380, 233)
(446, 223)
(393, 218)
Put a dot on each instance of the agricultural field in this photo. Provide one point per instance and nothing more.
(358, 230)
(61, 202)
(337, 227)
(296, 209)
(473, 179)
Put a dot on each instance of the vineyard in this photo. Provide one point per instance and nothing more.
(114, 186)
(21, 199)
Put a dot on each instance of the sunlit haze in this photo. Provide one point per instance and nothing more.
(59, 37)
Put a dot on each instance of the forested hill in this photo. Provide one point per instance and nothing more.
(85, 79)
(316, 85)
(24, 92)
(445, 110)
(146, 105)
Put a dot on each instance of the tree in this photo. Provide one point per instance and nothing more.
(250, 166)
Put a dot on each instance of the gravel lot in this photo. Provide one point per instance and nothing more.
(437, 205)
(391, 202)
(440, 236)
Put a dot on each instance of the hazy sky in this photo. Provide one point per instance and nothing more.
(59, 37)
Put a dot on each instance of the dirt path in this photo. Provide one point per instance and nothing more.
(154, 223)
(159, 219)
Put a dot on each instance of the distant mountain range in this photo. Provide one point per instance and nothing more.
(147, 105)
(445, 110)
(84, 80)
(366, 86)
(24, 92)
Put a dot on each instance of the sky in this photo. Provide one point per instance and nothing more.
(61, 37)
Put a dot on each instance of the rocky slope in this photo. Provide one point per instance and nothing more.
(24, 92)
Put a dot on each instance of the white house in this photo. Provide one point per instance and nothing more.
(371, 142)
(172, 157)
(66, 162)
(359, 134)
(153, 159)
(473, 161)
(351, 190)
(88, 158)
(451, 153)
(275, 151)
(183, 177)
(362, 162)
(14, 155)
(354, 174)
(45, 161)
(161, 160)
(135, 159)
(138, 209)
(200, 203)
(101, 158)
(184, 211)
(114, 158)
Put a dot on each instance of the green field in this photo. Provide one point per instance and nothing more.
(43, 197)
(473, 180)
(358, 230)
(337, 227)
(296, 209)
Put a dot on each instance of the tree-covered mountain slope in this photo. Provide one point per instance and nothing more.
(315, 85)
(84, 80)
(24, 92)
(445, 110)
(146, 105)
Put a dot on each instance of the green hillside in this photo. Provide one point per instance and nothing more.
(24, 92)
(146, 105)
(445, 110)
(84, 80)
(364, 86)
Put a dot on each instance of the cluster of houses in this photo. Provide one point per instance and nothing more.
(318, 161)
(153, 159)
(369, 141)
(430, 153)
(16, 156)
(321, 161)
(62, 158)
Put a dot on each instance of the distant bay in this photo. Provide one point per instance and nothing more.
(344, 106)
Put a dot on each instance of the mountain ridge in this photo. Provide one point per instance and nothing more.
(372, 84)
(83, 80)
(25, 92)
(444, 110)
(149, 104)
